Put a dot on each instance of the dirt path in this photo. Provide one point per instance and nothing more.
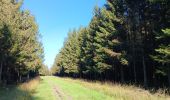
(60, 95)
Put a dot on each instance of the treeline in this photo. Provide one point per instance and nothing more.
(21, 52)
(126, 41)
(44, 71)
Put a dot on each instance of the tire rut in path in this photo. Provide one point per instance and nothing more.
(61, 95)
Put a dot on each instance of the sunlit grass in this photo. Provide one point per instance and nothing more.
(76, 89)
(44, 90)
(120, 92)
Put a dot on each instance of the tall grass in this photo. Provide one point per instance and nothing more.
(30, 86)
(23, 91)
(122, 92)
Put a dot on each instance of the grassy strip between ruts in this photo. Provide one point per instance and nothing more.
(45, 90)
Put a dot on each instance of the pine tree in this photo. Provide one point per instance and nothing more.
(163, 53)
(21, 49)
(118, 42)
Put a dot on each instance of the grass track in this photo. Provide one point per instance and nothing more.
(55, 88)
(77, 91)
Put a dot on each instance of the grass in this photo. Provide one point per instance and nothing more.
(80, 89)
(35, 89)
(21, 92)
(75, 89)
(44, 91)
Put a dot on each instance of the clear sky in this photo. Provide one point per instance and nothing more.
(56, 17)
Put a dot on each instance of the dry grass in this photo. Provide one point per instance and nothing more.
(30, 86)
(122, 92)
(28, 89)
(22, 92)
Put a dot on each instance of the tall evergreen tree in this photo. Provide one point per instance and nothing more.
(20, 45)
(126, 40)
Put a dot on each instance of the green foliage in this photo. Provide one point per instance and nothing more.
(91, 51)
(44, 71)
(118, 42)
(21, 51)
(163, 53)
(68, 58)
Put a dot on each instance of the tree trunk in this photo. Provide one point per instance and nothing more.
(169, 77)
(122, 74)
(134, 61)
(20, 78)
(17, 77)
(28, 76)
(134, 70)
(1, 72)
(134, 53)
(144, 72)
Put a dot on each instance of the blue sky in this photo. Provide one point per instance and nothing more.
(56, 17)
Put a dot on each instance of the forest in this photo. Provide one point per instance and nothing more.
(127, 41)
(21, 50)
(123, 53)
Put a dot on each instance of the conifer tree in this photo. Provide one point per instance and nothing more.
(163, 53)
(20, 46)
(126, 41)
